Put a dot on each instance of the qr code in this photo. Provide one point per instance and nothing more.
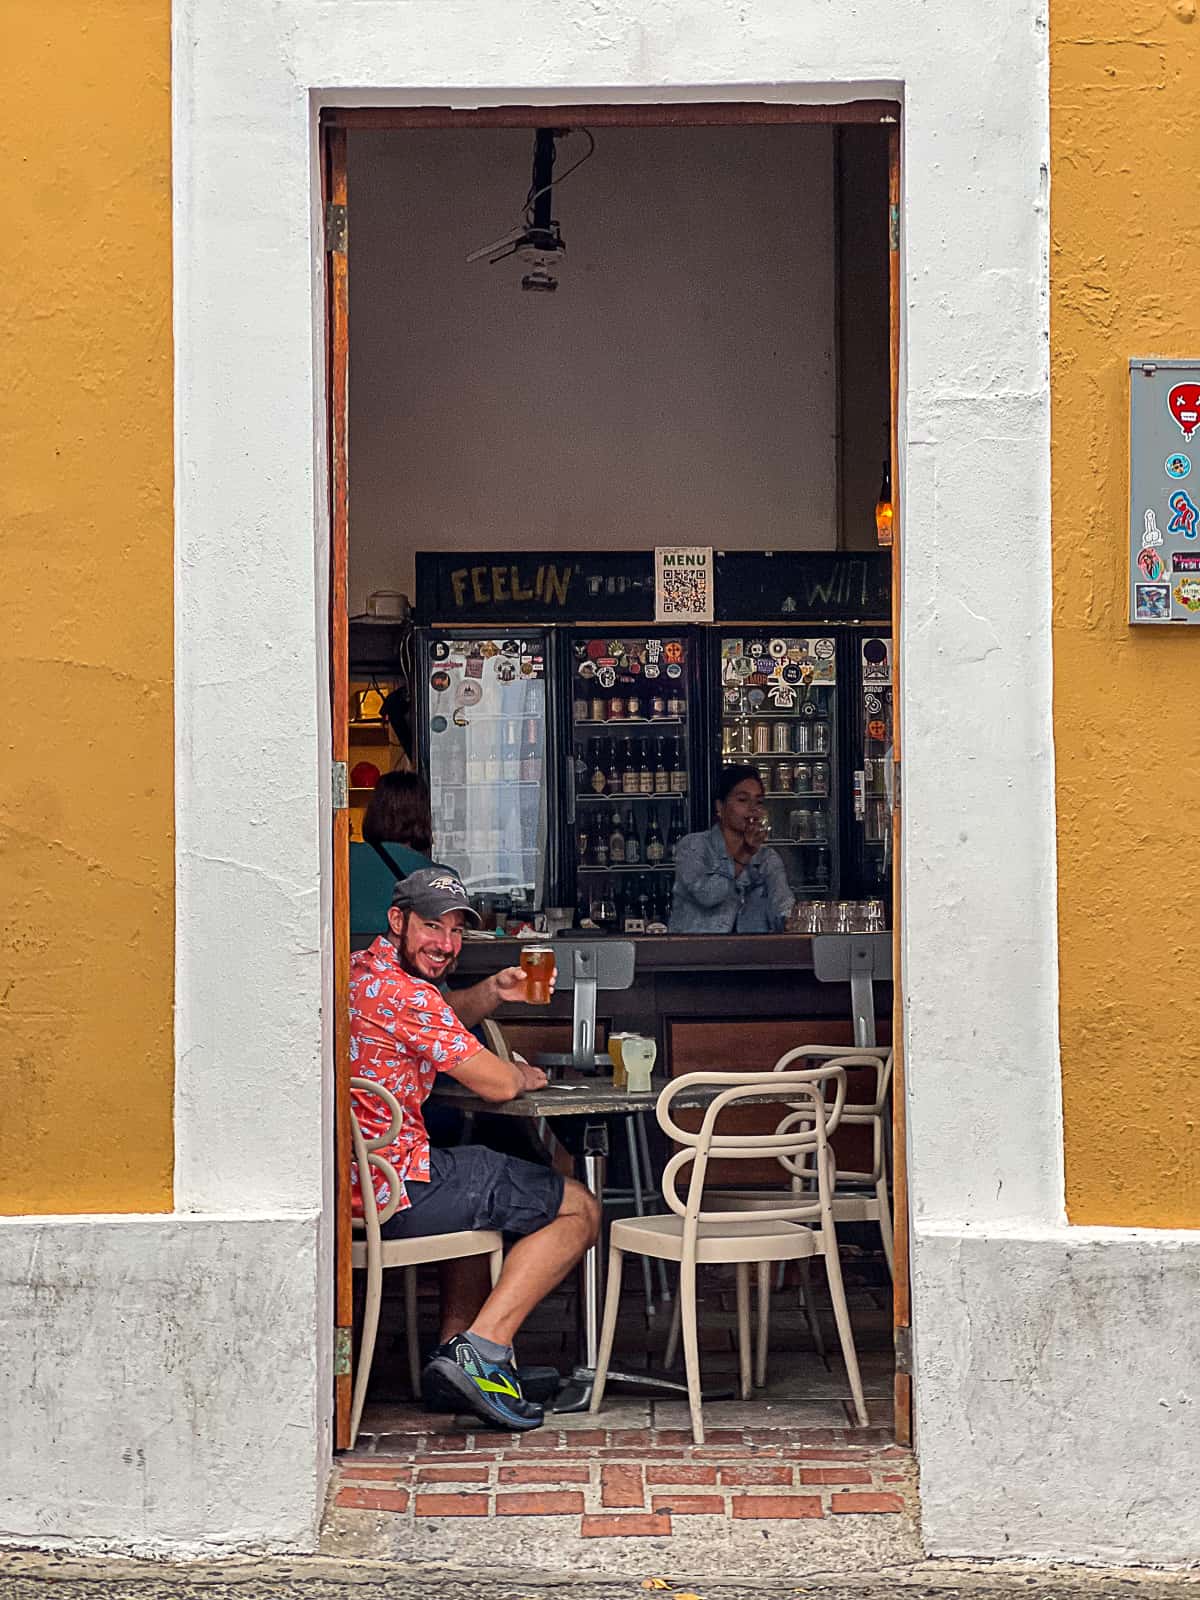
(685, 592)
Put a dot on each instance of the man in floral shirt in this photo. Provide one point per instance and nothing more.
(403, 1032)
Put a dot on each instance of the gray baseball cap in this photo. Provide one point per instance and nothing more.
(431, 893)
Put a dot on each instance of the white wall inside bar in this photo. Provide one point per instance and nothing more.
(677, 388)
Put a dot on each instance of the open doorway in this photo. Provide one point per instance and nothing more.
(714, 368)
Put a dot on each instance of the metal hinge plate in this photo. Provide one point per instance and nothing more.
(341, 786)
(903, 1342)
(341, 1352)
(337, 229)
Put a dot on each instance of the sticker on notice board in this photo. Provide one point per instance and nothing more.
(1164, 515)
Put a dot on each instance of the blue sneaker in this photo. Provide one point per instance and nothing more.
(457, 1378)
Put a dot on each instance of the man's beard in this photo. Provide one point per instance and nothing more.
(409, 965)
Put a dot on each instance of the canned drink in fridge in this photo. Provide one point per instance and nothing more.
(579, 710)
(803, 738)
(820, 738)
(729, 745)
(599, 709)
(764, 775)
(762, 739)
(783, 738)
(633, 706)
(785, 777)
(616, 708)
(803, 778)
(820, 777)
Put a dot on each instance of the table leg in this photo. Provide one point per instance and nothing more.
(576, 1393)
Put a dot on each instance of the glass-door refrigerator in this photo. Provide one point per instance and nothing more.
(869, 731)
(487, 748)
(634, 702)
(778, 712)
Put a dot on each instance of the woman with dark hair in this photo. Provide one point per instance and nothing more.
(398, 838)
(728, 880)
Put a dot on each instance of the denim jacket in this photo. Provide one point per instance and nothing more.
(709, 898)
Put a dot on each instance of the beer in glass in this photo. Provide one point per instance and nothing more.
(538, 965)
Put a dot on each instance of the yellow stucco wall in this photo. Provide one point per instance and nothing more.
(86, 840)
(1125, 86)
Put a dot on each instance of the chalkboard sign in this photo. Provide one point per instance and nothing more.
(803, 586)
(565, 586)
(491, 587)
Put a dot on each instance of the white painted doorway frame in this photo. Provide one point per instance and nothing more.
(254, 970)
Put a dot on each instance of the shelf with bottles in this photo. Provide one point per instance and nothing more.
(586, 797)
(776, 714)
(640, 867)
(591, 726)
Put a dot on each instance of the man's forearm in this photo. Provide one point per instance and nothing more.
(472, 1005)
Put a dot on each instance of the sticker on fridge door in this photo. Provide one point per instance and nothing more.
(1152, 602)
(1187, 593)
(877, 661)
(1184, 512)
(1177, 466)
(683, 583)
(1184, 560)
(1151, 532)
(439, 682)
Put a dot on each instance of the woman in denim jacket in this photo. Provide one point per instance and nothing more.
(728, 880)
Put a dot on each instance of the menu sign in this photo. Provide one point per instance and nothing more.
(491, 587)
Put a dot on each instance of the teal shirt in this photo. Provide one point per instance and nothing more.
(372, 884)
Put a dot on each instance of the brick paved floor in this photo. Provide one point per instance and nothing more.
(629, 1482)
(787, 1466)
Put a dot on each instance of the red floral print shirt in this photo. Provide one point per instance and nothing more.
(402, 1033)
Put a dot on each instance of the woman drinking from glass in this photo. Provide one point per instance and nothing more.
(728, 879)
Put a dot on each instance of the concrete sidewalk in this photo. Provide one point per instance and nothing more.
(37, 1577)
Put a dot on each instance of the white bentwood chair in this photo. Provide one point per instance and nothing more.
(376, 1254)
(857, 1196)
(695, 1237)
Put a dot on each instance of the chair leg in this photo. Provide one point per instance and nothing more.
(639, 1206)
(810, 1306)
(664, 1282)
(841, 1315)
(764, 1323)
(691, 1350)
(743, 1329)
(366, 1350)
(412, 1331)
(496, 1266)
(673, 1336)
(885, 1223)
(608, 1331)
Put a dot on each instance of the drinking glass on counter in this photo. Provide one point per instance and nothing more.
(639, 1055)
(616, 1054)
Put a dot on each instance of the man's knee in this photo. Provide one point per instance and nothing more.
(580, 1202)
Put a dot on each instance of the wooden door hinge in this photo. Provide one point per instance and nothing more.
(337, 229)
(903, 1342)
(341, 786)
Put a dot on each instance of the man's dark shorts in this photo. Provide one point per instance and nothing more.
(471, 1186)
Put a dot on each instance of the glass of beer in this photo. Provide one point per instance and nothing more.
(538, 965)
(616, 1056)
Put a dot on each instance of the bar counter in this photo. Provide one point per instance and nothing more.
(687, 990)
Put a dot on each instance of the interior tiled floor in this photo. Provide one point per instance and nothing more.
(790, 1461)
